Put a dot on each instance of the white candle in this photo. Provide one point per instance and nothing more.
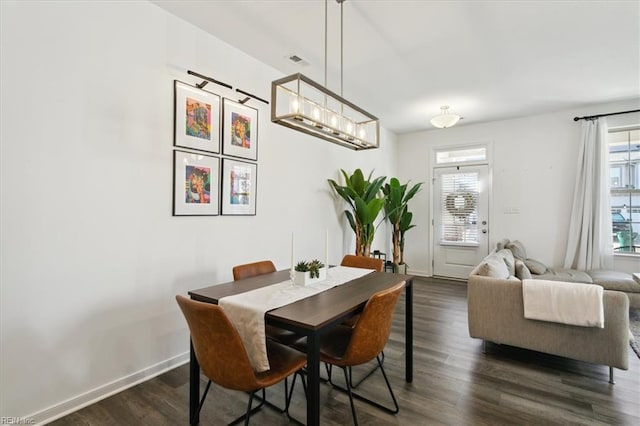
(326, 249)
(292, 253)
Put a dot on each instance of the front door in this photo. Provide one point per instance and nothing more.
(461, 219)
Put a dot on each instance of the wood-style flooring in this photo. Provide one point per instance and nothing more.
(454, 383)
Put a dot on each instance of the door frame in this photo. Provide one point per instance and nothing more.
(488, 145)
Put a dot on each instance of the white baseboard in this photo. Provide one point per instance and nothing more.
(418, 273)
(74, 404)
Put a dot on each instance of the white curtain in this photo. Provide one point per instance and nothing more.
(590, 240)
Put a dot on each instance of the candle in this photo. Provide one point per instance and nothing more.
(292, 253)
(326, 249)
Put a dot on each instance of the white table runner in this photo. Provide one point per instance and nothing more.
(246, 310)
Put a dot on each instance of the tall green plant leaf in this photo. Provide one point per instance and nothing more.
(362, 195)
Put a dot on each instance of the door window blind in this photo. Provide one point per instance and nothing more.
(460, 193)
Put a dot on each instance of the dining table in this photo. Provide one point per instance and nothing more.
(310, 317)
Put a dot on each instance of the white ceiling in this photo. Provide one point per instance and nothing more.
(488, 60)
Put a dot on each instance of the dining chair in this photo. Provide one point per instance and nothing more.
(249, 270)
(262, 267)
(346, 346)
(364, 262)
(224, 360)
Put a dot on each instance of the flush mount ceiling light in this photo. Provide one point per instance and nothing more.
(445, 119)
(302, 104)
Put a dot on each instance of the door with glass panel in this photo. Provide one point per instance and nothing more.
(460, 219)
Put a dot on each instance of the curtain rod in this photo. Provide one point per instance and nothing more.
(593, 117)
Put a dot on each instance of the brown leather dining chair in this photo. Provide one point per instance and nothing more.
(228, 364)
(249, 270)
(346, 346)
(363, 262)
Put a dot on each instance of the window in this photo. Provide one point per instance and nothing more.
(461, 155)
(460, 192)
(624, 182)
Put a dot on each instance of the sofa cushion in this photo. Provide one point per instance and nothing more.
(502, 244)
(517, 248)
(522, 271)
(493, 266)
(508, 259)
(614, 280)
(535, 266)
(570, 275)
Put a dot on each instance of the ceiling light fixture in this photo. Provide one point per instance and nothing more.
(302, 104)
(445, 119)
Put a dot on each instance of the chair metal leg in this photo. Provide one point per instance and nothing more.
(366, 376)
(393, 397)
(353, 408)
(204, 395)
(613, 382)
(271, 404)
(290, 396)
(396, 407)
(250, 411)
(263, 400)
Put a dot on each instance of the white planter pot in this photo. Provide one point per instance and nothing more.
(400, 269)
(304, 278)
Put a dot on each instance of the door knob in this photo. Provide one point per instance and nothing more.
(484, 231)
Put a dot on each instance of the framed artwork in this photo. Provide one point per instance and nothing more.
(239, 130)
(238, 187)
(196, 184)
(196, 118)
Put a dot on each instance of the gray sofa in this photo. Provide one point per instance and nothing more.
(496, 314)
(609, 280)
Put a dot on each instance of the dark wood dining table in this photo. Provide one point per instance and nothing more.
(310, 317)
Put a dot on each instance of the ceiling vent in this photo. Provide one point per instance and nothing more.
(297, 60)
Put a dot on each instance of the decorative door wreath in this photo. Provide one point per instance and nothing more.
(460, 203)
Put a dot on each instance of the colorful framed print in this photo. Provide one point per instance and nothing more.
(238, 187)
(196, 184)
(196, 118)
(239, 130)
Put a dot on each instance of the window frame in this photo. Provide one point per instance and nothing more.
(627, 187)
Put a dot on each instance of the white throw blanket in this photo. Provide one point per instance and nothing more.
(563, 302)
(246, 310)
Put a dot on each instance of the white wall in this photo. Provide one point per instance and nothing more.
(91, 256)
(534, 162)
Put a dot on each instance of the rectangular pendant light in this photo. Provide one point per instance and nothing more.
(304, 105)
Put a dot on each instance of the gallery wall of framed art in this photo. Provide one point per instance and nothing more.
(196, 119)
(240, 130)
(210, 180)
(238, 187)
(196, 180)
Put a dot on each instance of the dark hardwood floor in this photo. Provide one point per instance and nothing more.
(454, 383)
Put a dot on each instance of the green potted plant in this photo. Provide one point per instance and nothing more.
(397, 213)
(365, 202)
(309, 272)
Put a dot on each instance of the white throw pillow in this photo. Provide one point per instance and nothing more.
(494, 266)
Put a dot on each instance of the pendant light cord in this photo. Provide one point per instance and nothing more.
(325, 42)
(326, 30)
(341, 48)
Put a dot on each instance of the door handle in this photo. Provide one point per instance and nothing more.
(484, 231)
